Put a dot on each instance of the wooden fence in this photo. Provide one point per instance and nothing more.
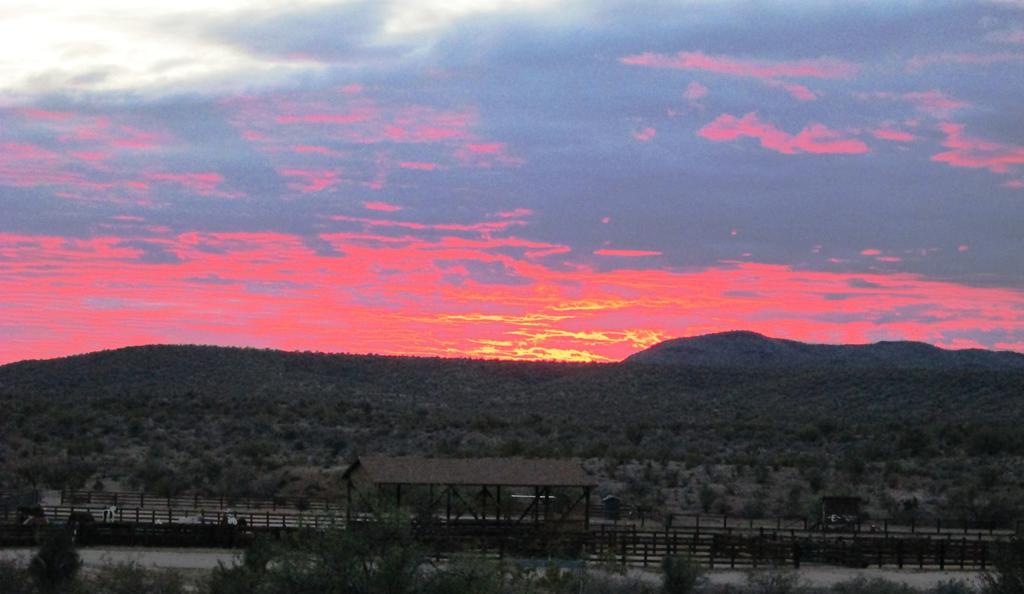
(642, 548)
(321, 510)
(144, 500)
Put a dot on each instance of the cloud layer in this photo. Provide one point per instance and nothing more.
(529, 179)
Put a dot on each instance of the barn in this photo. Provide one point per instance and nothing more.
(499, 491)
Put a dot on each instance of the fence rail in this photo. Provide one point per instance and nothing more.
(643, 548)
(147, 500)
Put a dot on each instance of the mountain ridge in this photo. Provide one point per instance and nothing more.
(743, 348)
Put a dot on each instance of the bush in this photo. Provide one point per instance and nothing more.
(953, 587)
(55, 567)
(132, 578)
(681, 575)
(14, 579)
(873, 586)
(1008, 574)
(773, 582)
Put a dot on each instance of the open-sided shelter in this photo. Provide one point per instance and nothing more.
(482, 490)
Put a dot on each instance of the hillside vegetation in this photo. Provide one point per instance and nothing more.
(750, 441)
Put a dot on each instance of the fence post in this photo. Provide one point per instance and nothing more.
(942, 555)
(984, 550)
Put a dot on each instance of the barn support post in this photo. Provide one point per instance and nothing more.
(448, 505)
(586, 509)
(348, 502)
(497, 501)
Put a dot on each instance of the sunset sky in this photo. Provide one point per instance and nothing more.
(528, 179)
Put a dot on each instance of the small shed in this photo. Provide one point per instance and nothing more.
(480, 490)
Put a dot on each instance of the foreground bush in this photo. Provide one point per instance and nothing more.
(56, 565)
(1008, 575)
(681, 575)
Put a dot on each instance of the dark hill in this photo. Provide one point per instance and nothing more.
(174, 419)
(752, 350)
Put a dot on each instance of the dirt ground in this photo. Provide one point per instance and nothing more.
(196, 561)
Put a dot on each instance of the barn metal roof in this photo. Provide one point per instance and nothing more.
(520, 472)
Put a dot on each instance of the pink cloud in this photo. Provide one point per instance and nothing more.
(975, 153)
(94, 156)
(871, 252)
(205, 183)
(796, 91)
(381, 206)
(313, 180)
(353, 117)
(352, 89)
(491, 148)
(42, 114)
(814, 138)
(316, 149)
(485, 227)
(626, 253)
(1016, 184)
(767, 69)
(645, 134)
(516, 213)
(892, 134)
(59, 299)
(421, 165)
(486, 154)
(695, 91)
(933, 102)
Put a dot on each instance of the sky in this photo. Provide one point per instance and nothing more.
(521, 179)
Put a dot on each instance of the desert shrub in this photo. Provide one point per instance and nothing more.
(773, 582)
(468, 576)
(55, 566)
(681, 575)
(1007, 577)
(14, 579)
(132, 578)
(953, 587)
(863, 585)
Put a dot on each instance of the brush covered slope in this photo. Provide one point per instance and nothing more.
(745, 439)
(749, 349)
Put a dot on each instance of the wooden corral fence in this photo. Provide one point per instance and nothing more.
(59, 514)
(633, 516)
(144, 500)
(319, 510)
(645, 548)
(632, 547)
